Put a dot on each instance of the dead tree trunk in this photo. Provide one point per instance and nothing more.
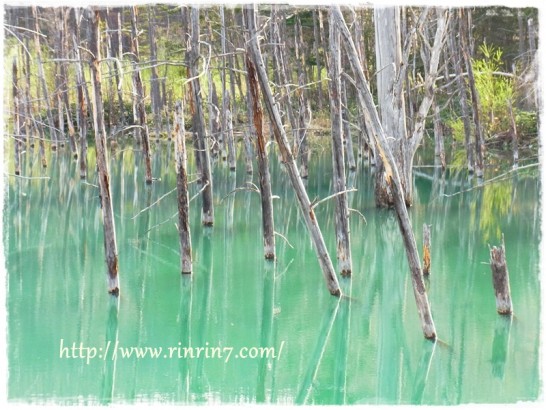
(479, 144)
(426, 249)
(316, 45)
(347, 138)
(139, 97)
(501, 280)
(336, 117)
(198, 123)
(454, 49)
(110, 246)
(42, 79)
(228, 132)
(515, 150)
(82, 106)
(182, 189)
(288, 159)
(366, 100)
(17, 125)
(268, 226)
(154, 80)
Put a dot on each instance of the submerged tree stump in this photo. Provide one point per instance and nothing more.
(501, 280)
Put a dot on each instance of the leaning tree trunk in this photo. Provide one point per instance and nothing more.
(198, 123)
(308, 214)
(340, 186)
(110, 245)
(182, 188)
(372, 116)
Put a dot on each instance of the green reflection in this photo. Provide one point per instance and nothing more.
(366, 347)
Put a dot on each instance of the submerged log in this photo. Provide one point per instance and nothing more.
(501, 280)
(110, 245)
(254, 53)
(182, 189)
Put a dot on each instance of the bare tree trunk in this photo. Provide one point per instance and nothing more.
(347, 138)
(17, 118)
(182, 188)
(316, 45)
(391, 100)
(154, 80)
(139, 97)
(288, 159)
(515, 150)
(426, 250)
(336, 117)
(479, 144)
(304, 119)
(366, 100)
(268, 226)
(228, 132)
(59, 77)
(65, 12)
(42, 79)
(250, 134)
(110, 246)
(198, 123)
(456, 55)
(82, 107)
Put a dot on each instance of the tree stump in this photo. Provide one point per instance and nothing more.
(501, 280)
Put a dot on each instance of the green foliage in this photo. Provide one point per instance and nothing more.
(495, 91)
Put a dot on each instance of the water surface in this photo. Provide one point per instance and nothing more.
(366, 347)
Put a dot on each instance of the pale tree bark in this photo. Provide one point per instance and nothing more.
(288, 159)
(389, 162)
(392, 62)
(340, 186)
(182, 189)
(110, 245)
(198, 123)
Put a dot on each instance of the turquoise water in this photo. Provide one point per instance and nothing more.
(366, 347)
